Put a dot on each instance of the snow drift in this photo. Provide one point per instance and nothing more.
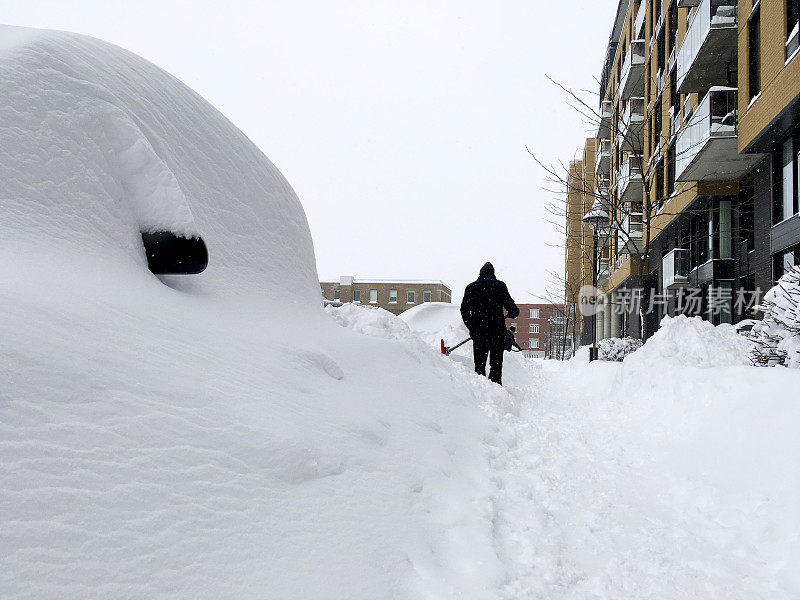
(99, 145)
(207, 436)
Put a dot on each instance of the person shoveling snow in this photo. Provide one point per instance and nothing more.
(482, 311)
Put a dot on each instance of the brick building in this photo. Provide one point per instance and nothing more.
(540, 329)
(394, 295)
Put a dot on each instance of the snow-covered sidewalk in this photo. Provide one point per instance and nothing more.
(651, 478)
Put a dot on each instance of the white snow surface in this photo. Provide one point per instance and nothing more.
(223, 436)
(691, 341)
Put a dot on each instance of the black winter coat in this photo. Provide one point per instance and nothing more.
(483, 304)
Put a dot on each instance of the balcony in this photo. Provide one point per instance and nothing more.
(631, 80)
(661, 81)
(602, 190)
(688, 3)
(709, 45)
(606, 119)
(602, 164)
(638, 24)
(629, 181)
(707, 147)
(603, 272)
(675, 269)
(632, 125)
(629, 238)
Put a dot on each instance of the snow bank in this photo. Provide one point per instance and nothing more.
(691, 341)
(436, 321)
(369, 320)
(99, 145)
(211, 436)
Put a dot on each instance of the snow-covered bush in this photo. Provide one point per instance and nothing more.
(616, 349)
(777, 335)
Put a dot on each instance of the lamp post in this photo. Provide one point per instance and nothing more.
(596, 219)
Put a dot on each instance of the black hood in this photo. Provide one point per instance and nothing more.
(487, 271)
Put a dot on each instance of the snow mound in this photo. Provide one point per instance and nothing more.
(694, 342)
(436, 321)
(368, 320)
(99, 145)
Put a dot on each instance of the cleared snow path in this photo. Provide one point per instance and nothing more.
(663, 495)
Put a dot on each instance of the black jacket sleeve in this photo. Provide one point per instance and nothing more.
(509, 305)
(467, 309)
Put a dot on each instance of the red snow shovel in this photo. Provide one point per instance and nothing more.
(446, 351)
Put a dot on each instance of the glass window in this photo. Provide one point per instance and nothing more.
(356, 295)
(725, 226)
(787, 177)
(534, 328)
(392, 296)
(533, 343)
(411, 297)
(754, 48)
(335, 294)
(792, 26)
(426, 296)
(373, 296)
(534, 314)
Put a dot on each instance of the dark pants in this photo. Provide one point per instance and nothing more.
(491, 348)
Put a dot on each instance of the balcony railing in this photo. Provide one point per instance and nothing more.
(602, 271)
(638, 24)
(606, 119)
(661, 81)
(631, 79)
(675, 268)
(629, 181)
(709, 43)
(602, 165)
(707, 147)
(629, 238)
(632, 125)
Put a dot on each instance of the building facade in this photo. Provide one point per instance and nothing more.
(540, 330)
(396, 296)
(697, 159)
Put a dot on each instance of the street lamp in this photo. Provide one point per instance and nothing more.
(597, 220)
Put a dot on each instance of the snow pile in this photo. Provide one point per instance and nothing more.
(368, 320)
(777, 335)
(211, 436)
(616, 349)
(691, 341)
(99, 145)
(435, 321)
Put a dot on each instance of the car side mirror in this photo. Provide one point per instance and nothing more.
(170, 254)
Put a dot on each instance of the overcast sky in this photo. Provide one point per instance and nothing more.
(402, 125)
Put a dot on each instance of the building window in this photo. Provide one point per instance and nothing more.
(533, 343)
(534, 328)
(534, 313)
(426, 296)
(392, 296)
(754, 49)
(787, 204)
(336, 294)
(373, 296)
(784, 261)
(356, 295)
(792, 27)
(411, 297)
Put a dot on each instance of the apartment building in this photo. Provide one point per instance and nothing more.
(540, 329)
(698, 119)
(394, 295)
